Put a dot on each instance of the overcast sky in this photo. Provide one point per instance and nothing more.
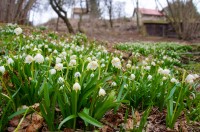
(43, 17)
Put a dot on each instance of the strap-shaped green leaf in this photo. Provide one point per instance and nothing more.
(22, 111)
(89, 119)
(66, 119)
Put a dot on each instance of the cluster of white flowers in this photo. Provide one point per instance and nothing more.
(39, 58)
(147, 68)
(10, 61)
(190, 78)
(58, 66)
(58, 60)
(18, 31)
(29, 59)
(165, 72)
(52, 71)
(116, 62)
(92, 65)
(72, 62)
(173, 80)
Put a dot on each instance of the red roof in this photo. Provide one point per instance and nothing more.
(150, 12)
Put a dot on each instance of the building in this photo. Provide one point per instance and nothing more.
(77, 12)
(147, 14)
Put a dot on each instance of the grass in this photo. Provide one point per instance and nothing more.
(75, 82)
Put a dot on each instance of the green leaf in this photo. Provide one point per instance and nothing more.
(46, 94)
(65, 120)
(17, 113)
(171, 92)
(89, 119)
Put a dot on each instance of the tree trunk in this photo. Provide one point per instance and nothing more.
(58, 9)
(110, 18)
(94, 9)
(15, 11)
(57, 23)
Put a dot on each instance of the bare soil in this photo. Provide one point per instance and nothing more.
(124, 30)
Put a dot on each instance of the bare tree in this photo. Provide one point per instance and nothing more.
(184, 17)
(93, 8)
(119, 9)
(15, 11)
(81, 16)
(109, 6)
(59, 7)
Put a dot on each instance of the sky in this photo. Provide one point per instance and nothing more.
(42, 17)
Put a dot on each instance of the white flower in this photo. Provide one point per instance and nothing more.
(92, 75)
(60, 80)
(76, 87)
(132, 76)
(165, 72)
(196, 76)
(116, 62)
(40, 45)
(102, 60)
(147, 67)
(92, 65)
(64, 54)
(144, 63)
(49, 50)
(10, 61)
(125, 85)
(61, 87)
(153, 63)
(58, 66)
(113, 84)
(190, 78)
(29, 59)
(47, 58)
(160, 70)
(149, 77)
(72, 63)
(102, 92)
(73, 57)
(58, 60)
(18, 31)
(128, 65)
(35, 49)
(89, 59)
(55, 51)
(103, 65)
(27, 47)
(2, 69)
(164, 78)
(39, 58)
(173, 80)
(46, 46)
(77, 74)
(52, 71)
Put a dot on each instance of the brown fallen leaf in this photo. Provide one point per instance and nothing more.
(137, 117)
(36, 122)
(68, 130)
(15, 121)
(129, 124)
(106, 128)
